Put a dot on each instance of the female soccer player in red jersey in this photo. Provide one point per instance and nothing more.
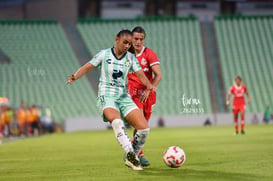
(238, 90)
(144, 99)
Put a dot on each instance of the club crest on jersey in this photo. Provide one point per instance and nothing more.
(127, 63)
(143, 61)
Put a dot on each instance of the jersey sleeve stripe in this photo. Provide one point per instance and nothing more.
(154, 63)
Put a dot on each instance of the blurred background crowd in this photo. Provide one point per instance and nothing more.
(25, 120)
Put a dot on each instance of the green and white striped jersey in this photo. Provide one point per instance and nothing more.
(113, 78)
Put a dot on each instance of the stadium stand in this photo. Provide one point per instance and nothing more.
(41, 58)
(245, 47)
(178, 44)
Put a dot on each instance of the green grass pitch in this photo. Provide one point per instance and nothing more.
(213, 153)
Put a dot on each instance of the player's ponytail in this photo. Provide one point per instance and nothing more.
(124, 32)
(132, 49)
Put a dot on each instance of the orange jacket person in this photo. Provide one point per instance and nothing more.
(21, 118)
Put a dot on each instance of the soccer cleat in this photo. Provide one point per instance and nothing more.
(132, 161)
(242, 132)
(236, 133)
(143, 161)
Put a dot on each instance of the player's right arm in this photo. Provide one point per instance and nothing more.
(81, 72)
(247, 95)
(141, 75)
(228, 96)
(94, 62)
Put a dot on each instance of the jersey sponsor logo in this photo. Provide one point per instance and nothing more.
(116, 84)
(143, 61)
(109, 61)
(117, 73)
(239, 94)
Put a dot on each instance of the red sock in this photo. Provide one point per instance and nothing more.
(21, 130)
(29, 128)
(236, 125)
(242, 123)
(141, 152)
(1, 131)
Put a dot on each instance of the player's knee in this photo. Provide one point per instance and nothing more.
(143, 125)
(111, 114)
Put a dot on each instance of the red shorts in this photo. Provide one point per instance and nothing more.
(238, 108)
(147, 106)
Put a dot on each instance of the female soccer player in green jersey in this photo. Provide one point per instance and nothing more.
(113, 99)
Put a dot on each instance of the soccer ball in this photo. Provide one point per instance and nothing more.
(174, 157)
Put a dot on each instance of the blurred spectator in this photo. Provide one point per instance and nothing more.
(1, 130)
(13, 126)
(207, 122)
(47, 125)
(5, 117)
(34, 120)
(21, 118)
(25, 120)
(1, 123)
(255, 119)
(161, 122)
(29, 119)
(267, 113)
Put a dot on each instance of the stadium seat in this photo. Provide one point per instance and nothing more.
(41, 60)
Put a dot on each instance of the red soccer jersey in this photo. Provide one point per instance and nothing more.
(146, 58)
(238, 93)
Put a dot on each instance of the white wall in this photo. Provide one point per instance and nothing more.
(96, 123)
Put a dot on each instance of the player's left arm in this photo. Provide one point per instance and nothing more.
(157, 78)
(142, 77)
(228, 96)
(140, 73)
(157, 74)
(155, 66)
(247, 95)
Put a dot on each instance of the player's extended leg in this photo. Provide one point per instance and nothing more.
(236, 122)
(136, 119)
(113, 116)
(242, 121)
(144, 162)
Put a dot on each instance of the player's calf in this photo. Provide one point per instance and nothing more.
(140, 139)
